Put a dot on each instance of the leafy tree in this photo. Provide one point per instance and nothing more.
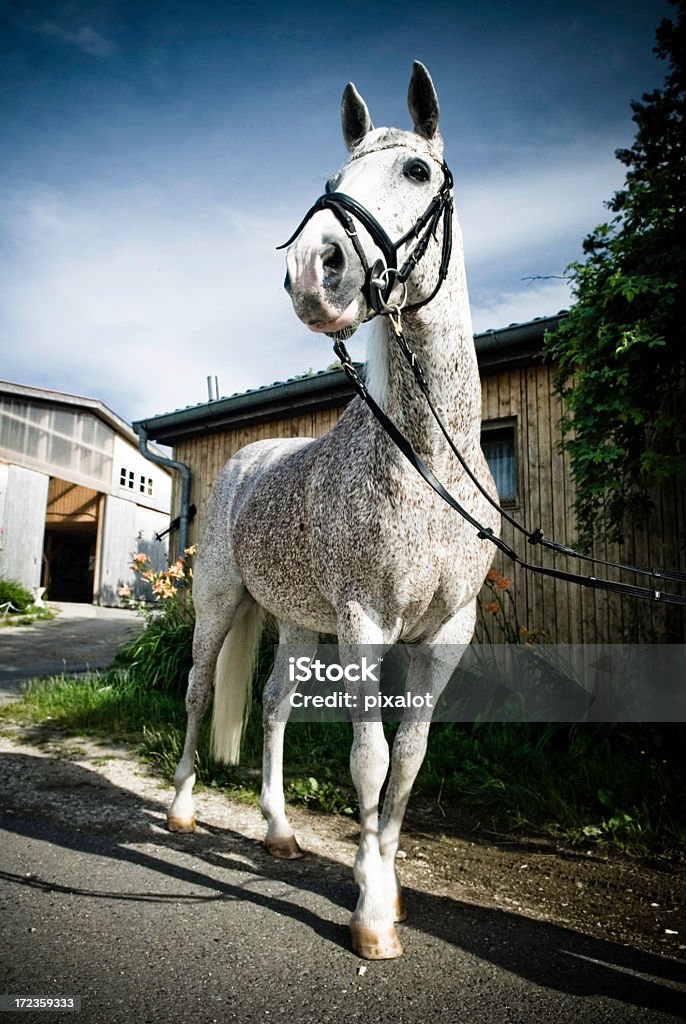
(621, 350)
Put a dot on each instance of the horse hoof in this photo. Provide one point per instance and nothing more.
(371, 944)
(284, 849)
(400, 912)
(175, 823)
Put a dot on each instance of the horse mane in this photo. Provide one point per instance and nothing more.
(376, 367)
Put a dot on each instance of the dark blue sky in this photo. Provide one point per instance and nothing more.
(155, 153)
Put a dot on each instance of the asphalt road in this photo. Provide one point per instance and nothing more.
(81, 637)
(146, 927)
(152, 932)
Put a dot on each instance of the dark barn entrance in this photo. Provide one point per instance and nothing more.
(70, 549)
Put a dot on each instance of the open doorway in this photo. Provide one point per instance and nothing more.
(70, 549)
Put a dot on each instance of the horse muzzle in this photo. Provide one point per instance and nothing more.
(324, 279)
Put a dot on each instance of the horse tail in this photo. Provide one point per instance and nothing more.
(233, 684)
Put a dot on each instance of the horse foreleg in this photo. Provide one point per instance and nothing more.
(372, 925)
(280, 840)
(213, 622)
(409, 746)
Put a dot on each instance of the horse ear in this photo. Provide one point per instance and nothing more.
(422, 102)
(354, 117)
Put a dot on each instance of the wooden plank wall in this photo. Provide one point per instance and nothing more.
(551, 610)
(72, 502)
(23, 499)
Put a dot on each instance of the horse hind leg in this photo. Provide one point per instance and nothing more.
(214, 620)
(280, 840)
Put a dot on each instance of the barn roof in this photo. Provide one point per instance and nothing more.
(46, 396)
(496, 350)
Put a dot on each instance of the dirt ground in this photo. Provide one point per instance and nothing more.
(98, 788)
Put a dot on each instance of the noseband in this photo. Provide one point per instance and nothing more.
(384, 274)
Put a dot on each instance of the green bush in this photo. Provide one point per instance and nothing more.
(14, 594)
(160, 657)
(618, 784)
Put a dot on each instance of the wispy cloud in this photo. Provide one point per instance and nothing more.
(84, 37)
(135, 299)
(505, 212)
(520, 224)
(115, 298)
(516, 307)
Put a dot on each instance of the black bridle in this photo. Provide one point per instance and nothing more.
(380, 280)
(384, 274)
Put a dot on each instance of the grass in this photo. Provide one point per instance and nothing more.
(110, 704)
(17, 606)
(13, 594)
(621, 786)
(159, 658)
(26, 618)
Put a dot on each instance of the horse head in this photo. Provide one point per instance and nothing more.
(343, 263)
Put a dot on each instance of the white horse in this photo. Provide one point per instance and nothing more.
(339, 534)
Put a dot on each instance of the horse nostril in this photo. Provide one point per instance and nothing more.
(287, 283)
(333, 259)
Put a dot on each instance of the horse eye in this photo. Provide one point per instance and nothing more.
(417, 170)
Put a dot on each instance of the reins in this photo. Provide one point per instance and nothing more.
(486, 533)
(380, 279)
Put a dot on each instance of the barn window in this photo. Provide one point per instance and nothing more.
(145, 486)
(127, 478)
(61, 437)
(498, 443)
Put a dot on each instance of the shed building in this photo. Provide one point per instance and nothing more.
(520, 437)
(77, 498)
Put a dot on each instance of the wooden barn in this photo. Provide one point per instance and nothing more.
(520, 437)
(77, 498)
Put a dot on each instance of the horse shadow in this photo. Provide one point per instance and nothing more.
(547, 955)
